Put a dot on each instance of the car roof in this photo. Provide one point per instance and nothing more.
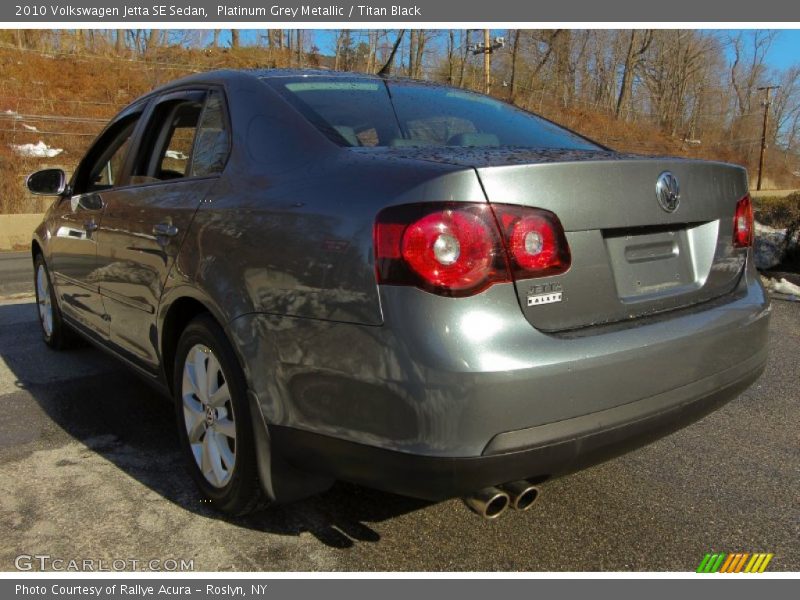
(229, 75)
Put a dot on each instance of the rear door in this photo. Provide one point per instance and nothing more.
(181, 155)
(631, 256)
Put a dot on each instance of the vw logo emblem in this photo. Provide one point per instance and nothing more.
(667, 191)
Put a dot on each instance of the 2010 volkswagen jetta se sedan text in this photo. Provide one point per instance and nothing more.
(399, 284)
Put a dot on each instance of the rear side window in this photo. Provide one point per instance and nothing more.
(213, 138)
(181, 127)
(361, 112)
(166, 149)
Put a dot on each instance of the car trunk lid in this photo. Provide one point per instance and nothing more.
(630, 256)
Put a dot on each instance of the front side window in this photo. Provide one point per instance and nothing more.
(102, 169)
(369, 112)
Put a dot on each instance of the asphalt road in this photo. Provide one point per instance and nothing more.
(89, 469)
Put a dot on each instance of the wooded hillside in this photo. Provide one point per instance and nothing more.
(688, 93)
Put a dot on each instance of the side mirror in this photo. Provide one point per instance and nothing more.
(48, 182)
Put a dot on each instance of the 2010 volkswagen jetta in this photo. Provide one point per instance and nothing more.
(404, 285)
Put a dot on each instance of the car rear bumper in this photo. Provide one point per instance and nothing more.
(534, 453)
(449, 396)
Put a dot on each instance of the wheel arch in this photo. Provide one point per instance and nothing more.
(183, 306)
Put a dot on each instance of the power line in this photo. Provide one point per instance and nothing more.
(62, 118)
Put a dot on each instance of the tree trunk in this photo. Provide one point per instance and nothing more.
(451, 47)
(514, 57)
(234, 38)
(627, 77)
(153, 39)
(412, 37)
(300, 48)
(419, 54)
(464, 59)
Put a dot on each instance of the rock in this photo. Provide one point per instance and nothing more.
(768, 254)
(769, 246)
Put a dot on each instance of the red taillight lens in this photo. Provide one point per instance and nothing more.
(743, 223)
(535, 240)
(455, 249)
(451, 249)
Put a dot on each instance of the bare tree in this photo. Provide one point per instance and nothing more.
(386, 69)
(637, 46)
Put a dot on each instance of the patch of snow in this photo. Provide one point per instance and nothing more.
(770, 245)
(762, 229)
(781, 287)
(176, 154)
(29, 127)
(12, 113)
(40, 150)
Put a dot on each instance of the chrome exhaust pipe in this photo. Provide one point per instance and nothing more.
(521, 494)
(489, 502)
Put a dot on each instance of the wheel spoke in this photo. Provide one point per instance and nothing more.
(216, 459)
(195, 418)
(207, 460)
(212, 376)
(189, 386)
(220, 396)
(225, 453)
(226, 427)
(197, 374)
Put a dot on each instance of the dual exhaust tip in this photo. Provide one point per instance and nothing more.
(492, 502)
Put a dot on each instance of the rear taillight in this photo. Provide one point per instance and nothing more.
(743, 223)
(535, 240)
(453, 249)
(457, 249)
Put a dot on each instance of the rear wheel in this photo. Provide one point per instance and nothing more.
(213, 415)
(55, 332)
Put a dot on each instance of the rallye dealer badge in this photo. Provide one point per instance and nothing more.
(546, 293)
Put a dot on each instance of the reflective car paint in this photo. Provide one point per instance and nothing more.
(279, 249)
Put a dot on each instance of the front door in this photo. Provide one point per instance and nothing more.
(78, 216)
(145, 223)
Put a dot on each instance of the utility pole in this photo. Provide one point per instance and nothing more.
(486, 48)
(487, 62)
(767, 102)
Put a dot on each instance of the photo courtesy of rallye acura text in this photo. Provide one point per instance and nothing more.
(403, 285)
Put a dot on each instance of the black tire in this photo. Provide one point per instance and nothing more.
(60, 336)
(242, 492)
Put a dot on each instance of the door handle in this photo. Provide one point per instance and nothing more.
(167, 229)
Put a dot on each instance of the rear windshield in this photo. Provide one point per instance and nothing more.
(369, 112)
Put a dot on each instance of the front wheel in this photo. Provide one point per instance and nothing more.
(213, 417)
(54, 330)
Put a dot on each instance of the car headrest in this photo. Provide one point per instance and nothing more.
(474, 139)
(403, 143)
